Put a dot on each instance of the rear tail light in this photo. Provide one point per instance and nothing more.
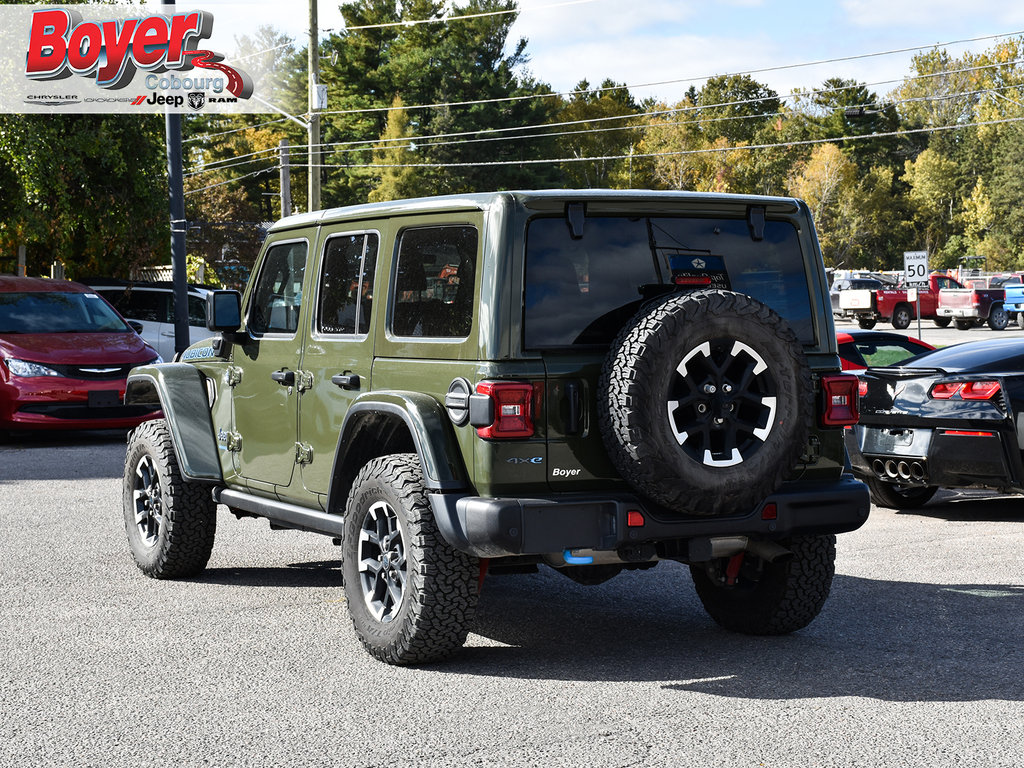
(862, 388)
(965, 390)
(513, 409)
(840, 392)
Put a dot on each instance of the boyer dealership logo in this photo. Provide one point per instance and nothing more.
(112, 52)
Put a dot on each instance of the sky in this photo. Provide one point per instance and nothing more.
(645, 41)
(681, 42)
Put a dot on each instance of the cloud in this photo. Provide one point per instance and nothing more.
(930, 14)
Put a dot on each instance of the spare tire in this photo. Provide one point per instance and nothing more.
(706, 402)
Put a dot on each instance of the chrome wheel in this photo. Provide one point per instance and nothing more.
(149, 507)
(382, 562)
(722, 403)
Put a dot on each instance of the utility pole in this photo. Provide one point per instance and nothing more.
(286, 180)
(314, 118)
(178, 224)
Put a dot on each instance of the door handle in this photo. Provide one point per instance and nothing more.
(284, 377)
(346, 380)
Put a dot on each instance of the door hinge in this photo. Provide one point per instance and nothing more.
(303, 453)
(303, 380)
(234, 375)
(230, 440)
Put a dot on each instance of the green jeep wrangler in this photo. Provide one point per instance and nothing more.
(590, 380)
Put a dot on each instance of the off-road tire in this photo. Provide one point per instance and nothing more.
(769, 598)
(998, 318)
(899, 496)
(901, 317)
(170, 521)
(942, 322)
(729, 456)
(867, 323)
(391, 545)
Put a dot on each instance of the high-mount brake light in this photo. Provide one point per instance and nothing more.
(513, 409)
(965, 390)
(842, 400)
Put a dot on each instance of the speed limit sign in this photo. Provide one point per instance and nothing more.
(915, 269)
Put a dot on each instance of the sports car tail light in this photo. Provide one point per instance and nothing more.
(513, 409)
(841, 394)
(965, 390)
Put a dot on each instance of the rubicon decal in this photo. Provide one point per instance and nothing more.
(61, 45)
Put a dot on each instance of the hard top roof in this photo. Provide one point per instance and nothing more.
(526, 198)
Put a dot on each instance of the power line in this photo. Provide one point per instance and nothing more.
(459, 17)
(272, 169)
(505, 99)
(707, 150)
(354, 146)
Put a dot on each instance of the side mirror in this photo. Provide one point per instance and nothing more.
(137, 326)
(224, 311)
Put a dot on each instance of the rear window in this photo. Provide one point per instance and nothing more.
(581, 291)
(58, 312)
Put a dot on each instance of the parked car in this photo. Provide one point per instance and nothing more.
(860, 349)
(151, 304)
(65, 354)
(850, 284)
(947, 418)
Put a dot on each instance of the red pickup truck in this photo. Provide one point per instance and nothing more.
(974, 305)
(891, 304)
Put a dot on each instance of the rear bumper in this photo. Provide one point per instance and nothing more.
(502, 527)
(973, 313)
(950, 458)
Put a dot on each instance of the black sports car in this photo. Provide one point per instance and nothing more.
(951, 418)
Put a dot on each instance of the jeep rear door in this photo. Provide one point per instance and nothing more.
(339, 350)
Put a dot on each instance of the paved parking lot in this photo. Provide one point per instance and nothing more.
(915, 661)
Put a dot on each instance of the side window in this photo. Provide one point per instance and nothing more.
(148, 306)
(434, 282)
(196, 311)
(346, 284)
(277, 296)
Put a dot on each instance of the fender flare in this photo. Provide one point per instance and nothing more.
(180, 389)
(432, 434)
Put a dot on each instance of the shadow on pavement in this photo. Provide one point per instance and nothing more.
(893, 641)
(972, 506)
(325, 573)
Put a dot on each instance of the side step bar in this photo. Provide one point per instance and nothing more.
(281, 512)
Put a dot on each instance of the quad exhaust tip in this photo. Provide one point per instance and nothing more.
(907, 471)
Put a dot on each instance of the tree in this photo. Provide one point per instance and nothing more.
(934, 185)
(594, 132)
(89, 191)
(394, 156)
(733, 107)
(825, 182)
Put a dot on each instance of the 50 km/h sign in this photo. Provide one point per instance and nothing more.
(915, 269)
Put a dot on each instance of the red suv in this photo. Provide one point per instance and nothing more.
(65, 354)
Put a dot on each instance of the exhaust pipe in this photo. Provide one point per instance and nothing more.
(903, 469)
(917, 471)
(878, 466)
(891, 469)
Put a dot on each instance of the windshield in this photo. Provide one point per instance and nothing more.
(57, 312)
(583, 291)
